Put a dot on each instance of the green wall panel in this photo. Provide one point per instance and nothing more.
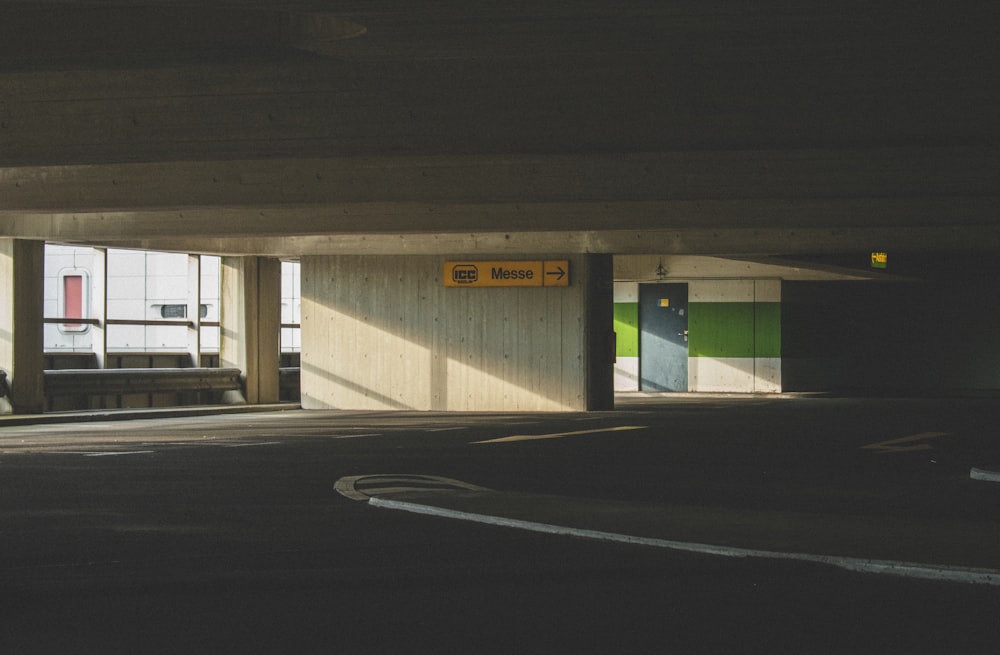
(734, 329)
(720, 329)
(627, 329)
(767, 333)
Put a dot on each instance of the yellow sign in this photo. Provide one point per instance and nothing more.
(535, 273)
(880, 260)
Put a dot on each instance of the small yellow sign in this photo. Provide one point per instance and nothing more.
(533, 273)
(880, 260)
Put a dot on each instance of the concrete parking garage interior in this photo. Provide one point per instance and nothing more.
(760, 155)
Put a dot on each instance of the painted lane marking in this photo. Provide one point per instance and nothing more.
(364, 487)
(966, 575)
(457, 427)
(251, 445)
(984, 475)
(897, 445)
(357, 436)
(117, 453)
(560, 435)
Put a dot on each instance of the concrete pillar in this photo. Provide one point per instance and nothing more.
(598, 278)
(251, 324)
(194, 309)
(22, 266)
(99, 306)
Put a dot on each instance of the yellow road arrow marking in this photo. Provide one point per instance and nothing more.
(559, 435)
(905, 444)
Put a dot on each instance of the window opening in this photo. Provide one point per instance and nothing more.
(181, 311)
(73, 300)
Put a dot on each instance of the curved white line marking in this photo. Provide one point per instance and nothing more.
(905, 569)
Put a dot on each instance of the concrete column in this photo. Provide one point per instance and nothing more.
(99, 307)
(22, 266)
(251, 324)
(598, 278)
(194, 309)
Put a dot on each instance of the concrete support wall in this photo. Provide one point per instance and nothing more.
(21, 305)
(735, 336)
(250, 314)
(384, 333)
(597, 274)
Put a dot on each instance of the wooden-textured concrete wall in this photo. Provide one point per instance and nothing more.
(384, 333)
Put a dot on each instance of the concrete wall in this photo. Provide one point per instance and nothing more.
(384, 333)
(936, 331)
(21, 300)
(735, 336)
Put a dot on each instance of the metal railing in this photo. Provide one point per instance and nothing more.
(115, 381)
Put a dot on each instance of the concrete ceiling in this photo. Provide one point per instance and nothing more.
(644, 127)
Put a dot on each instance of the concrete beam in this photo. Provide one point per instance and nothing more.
(343, 183)
(739, 202)
(742, 242)
(645, 268)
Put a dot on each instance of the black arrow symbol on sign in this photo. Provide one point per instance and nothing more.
(559, 271)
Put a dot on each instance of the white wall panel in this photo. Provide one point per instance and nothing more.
(627, 374)
(626, 292)
(721, 374)
(721, 291)
(768, 378)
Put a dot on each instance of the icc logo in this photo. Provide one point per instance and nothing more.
(464, 274)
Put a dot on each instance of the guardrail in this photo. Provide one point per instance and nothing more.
(289, 382)
(107, 382)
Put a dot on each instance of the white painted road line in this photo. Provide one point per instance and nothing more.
(559, 435)
(984, 475)
(250, 445)
(965, 575)
(115, 453)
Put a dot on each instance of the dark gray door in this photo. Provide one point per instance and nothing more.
(663, 340)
